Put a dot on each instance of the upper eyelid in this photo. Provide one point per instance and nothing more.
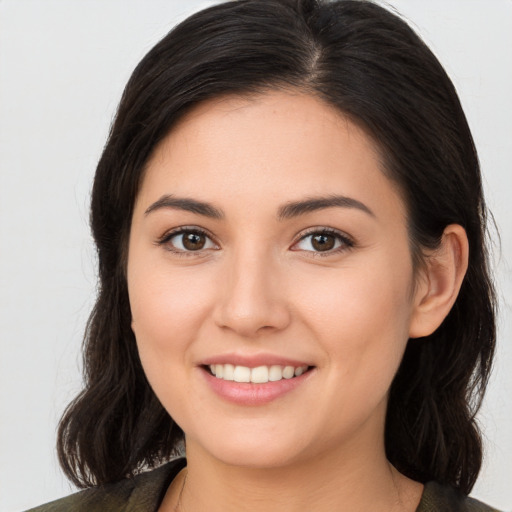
(186, 229)
(332, 231)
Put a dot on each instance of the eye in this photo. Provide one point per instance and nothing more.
(185, 240)
(323, 241)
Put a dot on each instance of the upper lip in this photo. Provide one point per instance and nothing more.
(253, 360)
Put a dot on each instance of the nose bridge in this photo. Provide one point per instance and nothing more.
(252, 297)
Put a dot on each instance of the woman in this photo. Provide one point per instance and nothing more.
(294, 282)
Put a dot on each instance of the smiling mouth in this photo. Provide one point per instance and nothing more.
(257, 375)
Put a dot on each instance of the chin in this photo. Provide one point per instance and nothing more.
(255, 451)
(256, 458)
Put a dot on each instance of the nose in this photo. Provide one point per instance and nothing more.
(253, 299)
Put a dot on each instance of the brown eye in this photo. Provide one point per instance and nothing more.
(193, 241)
(187, 240)
(323, 242)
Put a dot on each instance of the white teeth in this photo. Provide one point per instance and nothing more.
(275, 373)
(258, 375)
(288, 372)
(241, 374)
(229, 372)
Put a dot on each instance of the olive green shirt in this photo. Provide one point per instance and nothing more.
(145, 492)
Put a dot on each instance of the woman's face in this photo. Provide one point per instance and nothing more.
(266, 241)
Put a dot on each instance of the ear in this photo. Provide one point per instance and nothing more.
(439, 282)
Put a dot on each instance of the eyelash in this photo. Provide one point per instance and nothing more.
(346, 242)
(167, 237)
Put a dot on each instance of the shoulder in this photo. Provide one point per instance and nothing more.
(442, 498)
(143, 492)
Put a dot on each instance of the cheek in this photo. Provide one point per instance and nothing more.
(360, 322)
(167, 315)
(168, 309)
(362, 315)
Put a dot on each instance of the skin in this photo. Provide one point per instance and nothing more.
(258, 286)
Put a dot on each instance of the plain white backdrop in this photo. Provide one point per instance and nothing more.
(63, 64)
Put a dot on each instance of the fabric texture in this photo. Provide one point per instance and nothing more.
(145, 492)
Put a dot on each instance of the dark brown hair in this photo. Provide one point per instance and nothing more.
(367, 63)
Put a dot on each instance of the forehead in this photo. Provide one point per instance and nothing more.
(275, 145)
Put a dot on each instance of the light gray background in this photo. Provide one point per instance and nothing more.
(63, 64)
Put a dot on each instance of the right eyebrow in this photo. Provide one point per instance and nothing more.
(186, 204)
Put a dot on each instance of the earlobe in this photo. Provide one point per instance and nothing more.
(440, 282)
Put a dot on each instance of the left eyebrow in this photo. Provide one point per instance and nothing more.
(296, 208)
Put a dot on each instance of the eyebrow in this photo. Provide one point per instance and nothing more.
(287, 211)
(297, 208)
(189, 205)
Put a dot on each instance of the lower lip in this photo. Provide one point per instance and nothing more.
(247, 393)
